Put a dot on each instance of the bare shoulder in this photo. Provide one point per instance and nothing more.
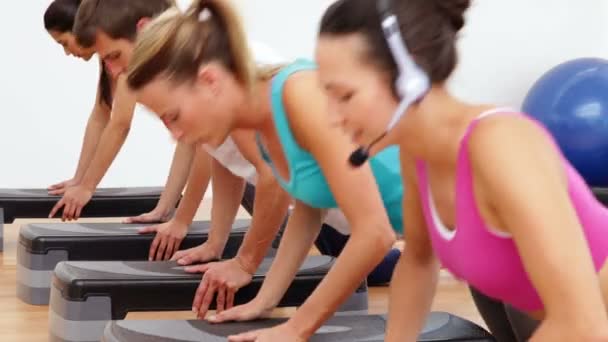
(506, 149)
(306, 109)
(299, 87)
(511, 134)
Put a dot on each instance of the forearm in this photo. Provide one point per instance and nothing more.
(349, 270)
(303, 226)
(178, 175)
(410, 297)
(227, 194)
(95, 127)
(269, 212)
(200, 174)
(109, 145)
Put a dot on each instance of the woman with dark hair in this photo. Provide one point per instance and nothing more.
(490, 195)
(59, 21)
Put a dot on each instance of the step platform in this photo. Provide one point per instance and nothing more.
(43, 245)
(86, 295)
(106, 202)
(439, 327)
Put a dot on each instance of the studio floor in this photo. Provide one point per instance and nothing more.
(23, 322)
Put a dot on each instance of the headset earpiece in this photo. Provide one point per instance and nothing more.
(412, 83)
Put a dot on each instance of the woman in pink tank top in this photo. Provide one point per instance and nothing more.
(488, 193)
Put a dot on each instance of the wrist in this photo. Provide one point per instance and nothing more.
(88, 185)
(246, 262)
(181, 218)
(301, 329)
(163, 210)
(183, 224)
(216, 245)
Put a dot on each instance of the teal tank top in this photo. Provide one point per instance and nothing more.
(306, 180)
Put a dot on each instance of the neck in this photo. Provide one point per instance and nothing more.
(435, 126)
(255, 110)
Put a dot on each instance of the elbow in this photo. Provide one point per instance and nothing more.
(379, 235)
(386, 239)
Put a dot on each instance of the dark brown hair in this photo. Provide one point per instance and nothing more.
(116, 18)
(59, 17)
(429, 28)
(60, 14)
(175, 44)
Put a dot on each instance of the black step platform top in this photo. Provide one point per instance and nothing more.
(440, 326)
(113, 241)
(164, 285)
(601, 194)
(106, 202)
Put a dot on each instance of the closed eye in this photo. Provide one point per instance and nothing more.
(112, 56)
(346, 97)
(170, 118)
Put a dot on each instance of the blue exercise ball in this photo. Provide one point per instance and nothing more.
(571, 100)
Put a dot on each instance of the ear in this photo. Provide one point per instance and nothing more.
(142, 23)
(209, 77)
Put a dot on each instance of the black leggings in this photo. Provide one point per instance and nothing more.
(331, 242)
(505, 323)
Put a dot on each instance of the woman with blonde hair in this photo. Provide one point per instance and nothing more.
(195, 72)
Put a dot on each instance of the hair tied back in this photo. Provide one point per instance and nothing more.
(204, 15)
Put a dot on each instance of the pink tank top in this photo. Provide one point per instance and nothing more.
(488, 259)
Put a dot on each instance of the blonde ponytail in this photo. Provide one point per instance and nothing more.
(175, 44)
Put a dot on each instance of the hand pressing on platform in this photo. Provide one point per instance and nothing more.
(59, 188)
(72, 202)
(206, 252)
(157, 215)
(224, 278)
(255, 309)
(169, 236)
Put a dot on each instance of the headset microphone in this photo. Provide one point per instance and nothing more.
(412, 82)
(360, 155)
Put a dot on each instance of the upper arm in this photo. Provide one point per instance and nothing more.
(522, 179)
(414, 225)
(124, 104)
(101, 111)
(354, 189)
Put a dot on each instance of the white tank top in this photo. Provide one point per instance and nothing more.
(231, 158)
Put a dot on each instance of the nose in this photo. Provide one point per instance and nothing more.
(114, 69)
(67, 52)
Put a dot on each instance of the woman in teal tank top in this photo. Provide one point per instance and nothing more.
(194, 70)
(305, 179)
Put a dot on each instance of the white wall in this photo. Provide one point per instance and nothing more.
(508, 44)
(46, 97)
